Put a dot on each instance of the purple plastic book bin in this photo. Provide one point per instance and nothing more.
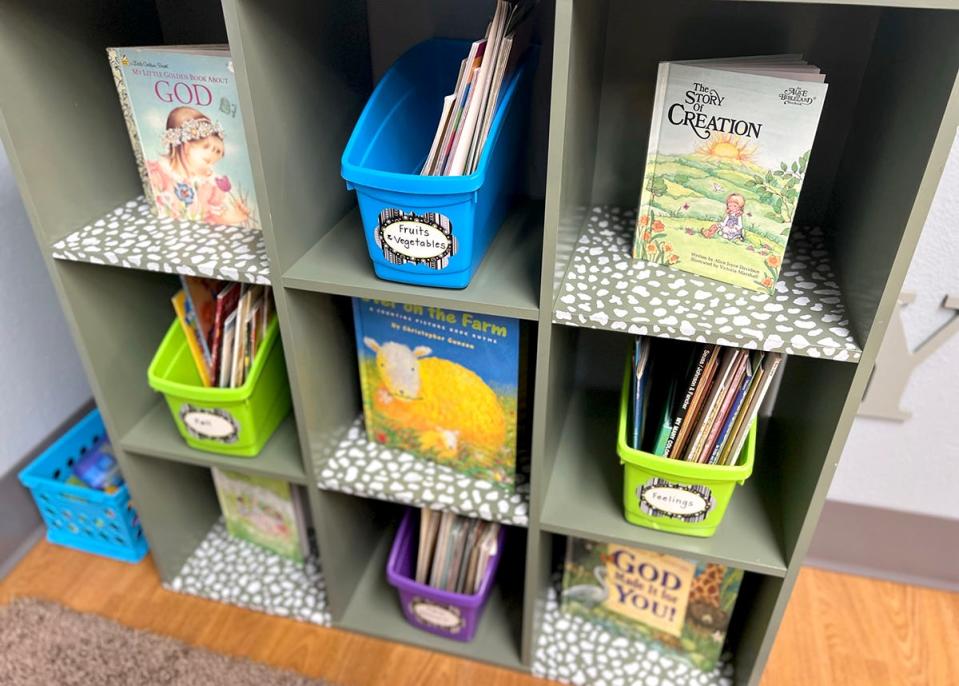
(447, 614)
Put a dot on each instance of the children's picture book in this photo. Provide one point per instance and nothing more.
(182, 113)
(441, 384)
(264, 511)
(677, 605)
(728, 152)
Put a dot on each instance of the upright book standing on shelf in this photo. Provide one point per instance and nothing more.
(183, 116)
(441, 384)
(729, 146)
(677, 605)
(268, 512)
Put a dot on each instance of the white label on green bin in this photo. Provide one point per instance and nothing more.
(445, 617)
(209, 424)
(687, 502)
(410, 238)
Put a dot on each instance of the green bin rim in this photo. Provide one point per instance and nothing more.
(211, 394)
(691, 471)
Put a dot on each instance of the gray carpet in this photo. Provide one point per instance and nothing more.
(45, 644)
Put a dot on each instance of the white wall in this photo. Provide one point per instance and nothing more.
(42, 381)
(914, 465)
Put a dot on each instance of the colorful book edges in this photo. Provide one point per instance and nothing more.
(441, 384)
(705, 399)
(224, 323)
(181, 108)
(729, 147)
(270, 513)
(679, 606)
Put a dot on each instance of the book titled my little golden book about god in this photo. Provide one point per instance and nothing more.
(729, 146)
(182, 113)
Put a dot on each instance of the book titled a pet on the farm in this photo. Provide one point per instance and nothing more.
(182, 113)
(729, 147)
(441, 384)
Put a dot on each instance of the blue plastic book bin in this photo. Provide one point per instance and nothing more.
(78, 517)
(431, 230)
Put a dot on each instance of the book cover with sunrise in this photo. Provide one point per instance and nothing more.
(183, 116)
(727, 157)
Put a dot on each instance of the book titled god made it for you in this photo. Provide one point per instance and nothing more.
(676, 605)
(183, 117)
(729, 147)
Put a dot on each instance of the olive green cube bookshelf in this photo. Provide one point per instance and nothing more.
(304, 70)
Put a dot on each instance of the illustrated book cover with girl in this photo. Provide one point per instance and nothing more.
(681, 606)
(270, 513)
(183, 117)
(729, 147)
(441, 384)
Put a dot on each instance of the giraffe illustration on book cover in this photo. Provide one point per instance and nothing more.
(727, 158)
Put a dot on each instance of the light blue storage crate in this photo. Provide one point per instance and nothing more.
(456, 216)
(83, 518)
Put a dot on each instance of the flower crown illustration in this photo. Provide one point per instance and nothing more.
(193, 130)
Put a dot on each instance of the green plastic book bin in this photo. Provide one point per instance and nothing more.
(674, 495)
(229, 421)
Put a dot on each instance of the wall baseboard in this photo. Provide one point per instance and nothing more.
(887, 544)
(21, 526)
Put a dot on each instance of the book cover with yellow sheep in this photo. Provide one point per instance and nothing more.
(441, 384)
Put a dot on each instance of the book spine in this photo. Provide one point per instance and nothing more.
(688, 430)
(130, 120)
(725, 402)
(757, 401)
(194, 321)
(637, 397)
(730, 419)
(710, 408)
(180, 307)
(687, 399)
(655, 126)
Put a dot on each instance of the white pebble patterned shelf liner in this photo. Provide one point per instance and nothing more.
(132, 236)
(365, 468)
(572, 650)
(228, 570)
(605, 288)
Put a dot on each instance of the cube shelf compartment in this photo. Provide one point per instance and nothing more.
(363, 467)
(304, 70)
(605, 288)
(131, 236)
(505, 284)
(228, 570)
(375, 609)
(156, 435)
(572, 650)
(584, 499)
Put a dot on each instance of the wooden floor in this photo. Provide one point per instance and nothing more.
(838, 630)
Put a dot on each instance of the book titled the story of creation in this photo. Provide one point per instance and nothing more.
(264, 511)
(182, 113)
(677, 605)
(728, 151)
(441, 384)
